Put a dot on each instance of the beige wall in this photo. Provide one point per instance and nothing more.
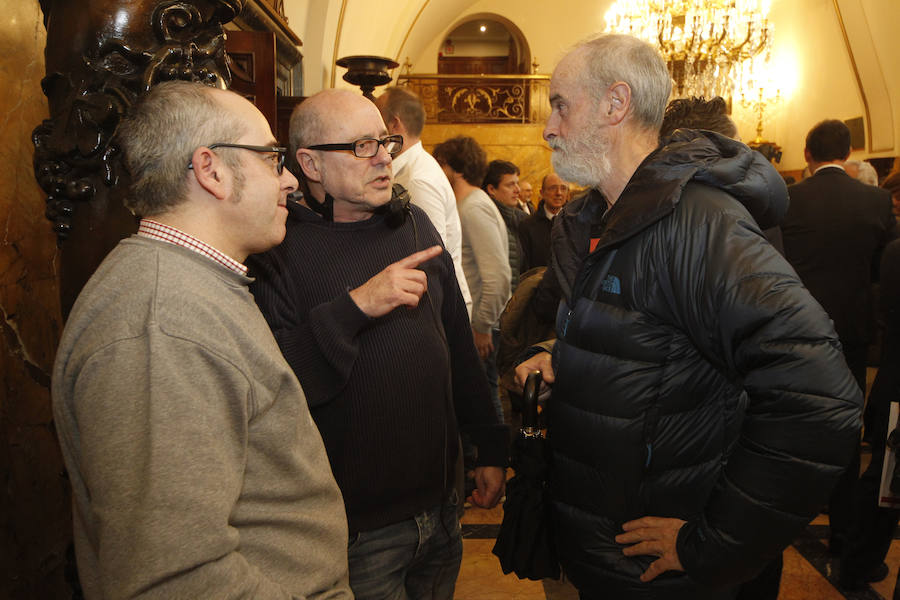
(809, 46)
(824, 85)
(35, 523)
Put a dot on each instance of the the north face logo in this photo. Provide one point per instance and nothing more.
(611, 285)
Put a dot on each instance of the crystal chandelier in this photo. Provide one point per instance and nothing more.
(705, 43)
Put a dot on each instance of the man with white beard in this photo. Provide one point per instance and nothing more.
(701, 408)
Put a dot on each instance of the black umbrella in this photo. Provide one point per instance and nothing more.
(525, 544)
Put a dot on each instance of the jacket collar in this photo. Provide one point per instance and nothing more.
(693, 155)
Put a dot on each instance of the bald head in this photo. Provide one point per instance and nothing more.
(357, 184)
(554, 192)
(317, 119)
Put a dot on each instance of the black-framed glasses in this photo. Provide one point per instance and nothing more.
(366, 147)
(281, 151)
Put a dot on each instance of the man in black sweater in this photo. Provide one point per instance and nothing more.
(364, 303)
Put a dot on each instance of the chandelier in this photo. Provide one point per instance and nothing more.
(705, 43)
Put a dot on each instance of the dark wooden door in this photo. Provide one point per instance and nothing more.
(475, 65)
(251, 58)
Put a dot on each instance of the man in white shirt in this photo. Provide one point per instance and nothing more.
(421, 175)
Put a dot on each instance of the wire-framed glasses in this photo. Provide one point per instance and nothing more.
(366, 147)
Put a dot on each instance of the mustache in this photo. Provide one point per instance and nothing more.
(557, 144)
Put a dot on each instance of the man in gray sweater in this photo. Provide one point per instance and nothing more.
(485, 248)
(196, 469)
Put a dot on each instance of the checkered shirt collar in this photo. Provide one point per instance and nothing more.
(166, 233)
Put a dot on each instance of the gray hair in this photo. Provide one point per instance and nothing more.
(613, 57)
(306, 127)
(159, 136)
(865, 172)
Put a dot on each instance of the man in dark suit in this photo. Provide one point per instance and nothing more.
(834, 232)
(534, 231)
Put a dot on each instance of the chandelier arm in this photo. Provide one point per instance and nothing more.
(737, 50)
(762, 43)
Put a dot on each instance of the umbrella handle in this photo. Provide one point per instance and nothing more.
(530, 403)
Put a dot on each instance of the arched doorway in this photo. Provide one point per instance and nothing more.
(484, 44)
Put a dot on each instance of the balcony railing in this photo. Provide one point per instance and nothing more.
(482, 98)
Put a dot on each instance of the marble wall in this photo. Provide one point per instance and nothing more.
(520, 144)
(35, 521)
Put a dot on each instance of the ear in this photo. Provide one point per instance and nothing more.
(491, 190)
(211, 173)
(451, 176)
(618, 98)
(807, 156)
(395, 126)
(309, 164)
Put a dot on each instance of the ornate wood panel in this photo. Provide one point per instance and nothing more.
(482, 99)
(100, 56)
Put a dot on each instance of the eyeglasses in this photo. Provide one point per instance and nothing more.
(366, 147)
(279, 150)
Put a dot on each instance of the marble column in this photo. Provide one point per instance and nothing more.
(101, 56)
(92, 59)
(35, 521)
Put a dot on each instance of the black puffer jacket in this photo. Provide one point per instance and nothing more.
(695, 377)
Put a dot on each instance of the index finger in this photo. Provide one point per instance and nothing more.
(414, 260)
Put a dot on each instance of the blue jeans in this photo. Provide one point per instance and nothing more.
(416, 559)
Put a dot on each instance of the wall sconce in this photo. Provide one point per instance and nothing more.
(367, 72)
(760, 91)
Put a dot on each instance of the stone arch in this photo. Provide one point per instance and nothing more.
(521, 46)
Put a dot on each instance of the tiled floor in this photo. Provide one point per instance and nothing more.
(810, 573)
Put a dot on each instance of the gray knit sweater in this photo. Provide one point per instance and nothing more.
(196, 469)
(485, 258)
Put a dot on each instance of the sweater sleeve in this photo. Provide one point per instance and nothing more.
(751, 317)
(320, 346)
(163, 447)
(490, 247)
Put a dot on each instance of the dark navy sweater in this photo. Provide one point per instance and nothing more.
(386, 393)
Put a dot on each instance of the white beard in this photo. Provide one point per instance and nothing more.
(583, 158)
